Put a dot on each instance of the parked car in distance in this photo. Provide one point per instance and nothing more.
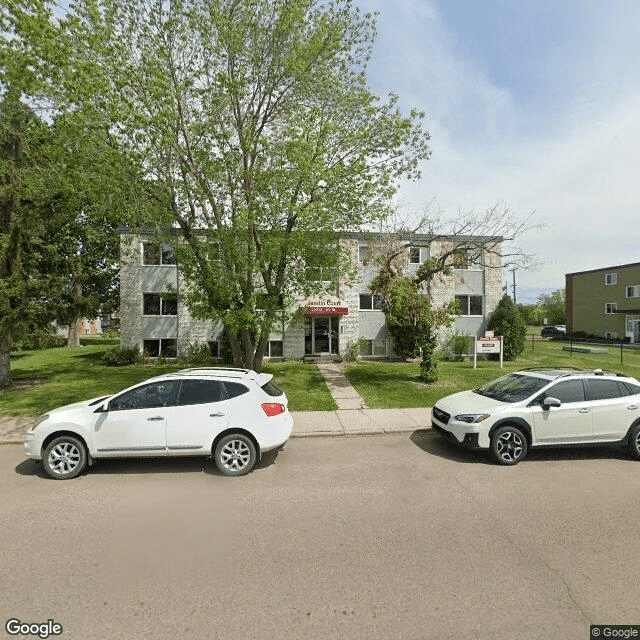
(234, 415)
(554, 331)
(543, 407)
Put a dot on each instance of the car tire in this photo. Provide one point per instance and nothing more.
(634, 441)
(508, 445)
(235, 455)
(64, 458)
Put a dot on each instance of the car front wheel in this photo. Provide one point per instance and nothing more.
(634, 441)
(65, 457)
(508, 445)
(235, 455)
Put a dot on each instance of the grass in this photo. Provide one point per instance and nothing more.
(54, 377)
(388, 385)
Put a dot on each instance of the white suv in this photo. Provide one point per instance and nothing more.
(543, 407)
(234, 415)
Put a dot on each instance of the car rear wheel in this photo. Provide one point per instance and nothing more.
(508, 445)
(64, 458)
(634, 441)
(235, 455)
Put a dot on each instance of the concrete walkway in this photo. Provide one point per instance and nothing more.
(343, 393)
(344, 422)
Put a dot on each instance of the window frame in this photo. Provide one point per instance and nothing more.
(161, 305)
(632, 287)
(468, 313)
(161, 347)
(371, 344)
(161, 249)
(608, 305)
(364, 248)
(373, 297)
(269, 355)
(610, 279)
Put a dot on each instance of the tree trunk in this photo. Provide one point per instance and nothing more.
(73, 337)
(259, 355)
(5, 361)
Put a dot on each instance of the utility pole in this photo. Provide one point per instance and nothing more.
(513, 271)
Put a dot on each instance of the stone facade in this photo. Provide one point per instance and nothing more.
(480, 283)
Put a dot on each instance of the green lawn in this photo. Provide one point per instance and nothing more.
(53, 377)
(387, 385)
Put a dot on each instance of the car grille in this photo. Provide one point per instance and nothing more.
(440, 415)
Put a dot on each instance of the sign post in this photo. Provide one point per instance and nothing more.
(487, 344)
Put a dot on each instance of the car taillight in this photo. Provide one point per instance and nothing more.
(273, 408)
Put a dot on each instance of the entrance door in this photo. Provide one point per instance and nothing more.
(321, 335)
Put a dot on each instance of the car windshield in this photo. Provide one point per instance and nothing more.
(512, 388)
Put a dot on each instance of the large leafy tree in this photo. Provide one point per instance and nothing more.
(24, 209)
(553, 306)
(258, 135)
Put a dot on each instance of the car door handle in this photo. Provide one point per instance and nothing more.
(586, 410)
(156, 418)
(632, 407)
(216, 415)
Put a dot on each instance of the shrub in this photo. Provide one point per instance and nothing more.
(507, 322)
(121, 356)
(195, 354)
(353, 349)
(429, 361)
(41, 340)
(455, 346)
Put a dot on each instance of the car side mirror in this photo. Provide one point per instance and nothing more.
(103, 406)
(549, 402)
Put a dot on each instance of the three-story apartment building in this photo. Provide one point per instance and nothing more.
(153, 321)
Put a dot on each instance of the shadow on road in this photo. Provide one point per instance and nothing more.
(107, 466)
(432, 443)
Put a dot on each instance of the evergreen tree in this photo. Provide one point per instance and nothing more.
(507, 322)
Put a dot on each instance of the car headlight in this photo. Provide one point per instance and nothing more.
(472, 418)
(40, 420)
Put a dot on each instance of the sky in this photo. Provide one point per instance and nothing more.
(533, 104)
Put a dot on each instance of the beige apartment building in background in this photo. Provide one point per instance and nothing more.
(605, 302)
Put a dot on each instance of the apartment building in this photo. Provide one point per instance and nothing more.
(605, 302)
(153, 321)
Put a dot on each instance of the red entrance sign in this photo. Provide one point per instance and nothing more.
(327, 311)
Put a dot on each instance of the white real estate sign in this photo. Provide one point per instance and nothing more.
(487, 344)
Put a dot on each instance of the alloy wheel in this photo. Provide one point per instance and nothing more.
(235, 455)
(509, 446)
(64, 458)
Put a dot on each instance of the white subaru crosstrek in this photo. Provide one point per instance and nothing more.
(234, 415)
(543, 407)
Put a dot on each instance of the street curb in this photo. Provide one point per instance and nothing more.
(325, 434)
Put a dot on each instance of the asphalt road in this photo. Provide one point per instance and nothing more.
(396, 536)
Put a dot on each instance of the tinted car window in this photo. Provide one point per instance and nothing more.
(272, 389)
(603, 389)
(201, 392)
(567, 391)
(632, 389)
(148, 396)
(235, 389)
(512, 388)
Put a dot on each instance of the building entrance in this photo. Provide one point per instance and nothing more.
(321, 335)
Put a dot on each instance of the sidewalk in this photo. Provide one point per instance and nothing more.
(343, 422)
(352, 417)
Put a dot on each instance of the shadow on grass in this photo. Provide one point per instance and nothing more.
(434, 444)
(140, 466)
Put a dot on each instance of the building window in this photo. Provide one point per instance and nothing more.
(153, 304)
(374, 348)
(214, 347)
(610, 307)
(160, 346)
(364, 253)
(157, 254)
(610, 335)
(470, 305)
(469, 259)
(370, 302)
(611, 278)
(634, 291)
(275, 349)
